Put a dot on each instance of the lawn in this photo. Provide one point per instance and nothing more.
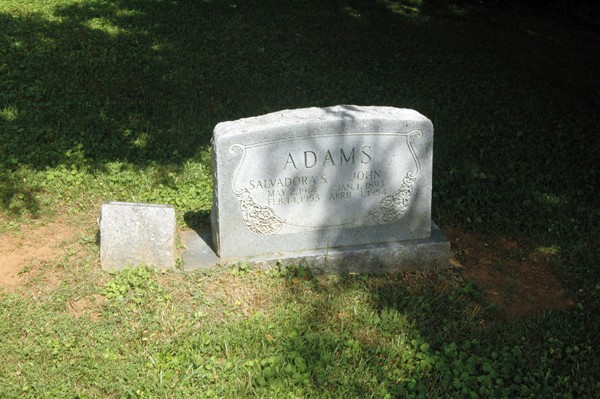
(116, 100)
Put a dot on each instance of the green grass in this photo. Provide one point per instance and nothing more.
(116, 100)
(271, 334)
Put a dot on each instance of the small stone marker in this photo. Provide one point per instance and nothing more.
(133, 234)
(346, 188)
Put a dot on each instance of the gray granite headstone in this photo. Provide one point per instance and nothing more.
(132, 234)
(347, 188)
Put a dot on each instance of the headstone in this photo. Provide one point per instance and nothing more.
(132, 234)
(346, 188)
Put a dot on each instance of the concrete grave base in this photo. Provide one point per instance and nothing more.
(389, 257)
(199, 251)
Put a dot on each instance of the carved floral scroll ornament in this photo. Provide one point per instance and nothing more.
(393, 207)
(259, 219)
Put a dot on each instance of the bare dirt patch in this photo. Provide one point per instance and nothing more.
(24, 251)
(238, 295)
(517, 279)
(87, 306)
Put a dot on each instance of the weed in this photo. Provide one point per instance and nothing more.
(134, 285)
(301, 270)
(241, 269)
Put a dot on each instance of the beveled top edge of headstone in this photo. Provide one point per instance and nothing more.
(137, 204)
(290, 117)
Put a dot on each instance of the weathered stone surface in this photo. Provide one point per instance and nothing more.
(380, 258)
(387, 257)
(199, 251)
(299, 182)
(132, 234)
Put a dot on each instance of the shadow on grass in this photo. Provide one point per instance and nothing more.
(424, 335)
(197, 221)
(515, 111)
(16, 195)
(145, 82)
